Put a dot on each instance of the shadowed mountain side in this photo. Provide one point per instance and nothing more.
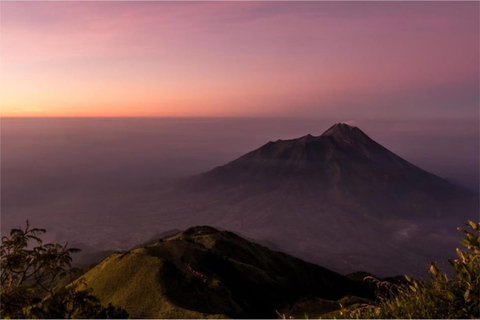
(203, 272)
(342, 167)
(340, 200)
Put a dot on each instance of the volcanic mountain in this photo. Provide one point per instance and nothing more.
(340, 200)
(342, 166)
(206, 273)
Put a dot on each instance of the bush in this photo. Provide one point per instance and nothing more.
(30, 277)
(439, 297)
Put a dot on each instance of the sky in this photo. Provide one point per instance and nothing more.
(246, 59)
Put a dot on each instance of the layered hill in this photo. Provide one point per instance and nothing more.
(206, 273)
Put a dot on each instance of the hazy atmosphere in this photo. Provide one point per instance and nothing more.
(323, 59)
(240, 159)
(88, 177)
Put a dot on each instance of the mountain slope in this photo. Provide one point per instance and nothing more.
(342, 165)
(203, 272)
(340, 200)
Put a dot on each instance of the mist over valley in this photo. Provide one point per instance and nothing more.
(108, 184)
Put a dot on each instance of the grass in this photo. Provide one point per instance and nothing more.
(206, 273)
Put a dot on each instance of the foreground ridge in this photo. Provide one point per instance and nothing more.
(203, 272)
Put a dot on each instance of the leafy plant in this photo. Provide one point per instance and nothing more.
(439, 297)
(29, 277)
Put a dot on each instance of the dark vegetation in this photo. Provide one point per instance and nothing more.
(206, 273)
(37, 281)
(442, 296)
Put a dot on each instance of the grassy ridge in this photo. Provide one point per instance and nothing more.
(206, 273)
(132, 281)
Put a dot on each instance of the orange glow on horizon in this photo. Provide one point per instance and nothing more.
(216, 59)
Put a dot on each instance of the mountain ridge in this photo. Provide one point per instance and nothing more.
(206, 273)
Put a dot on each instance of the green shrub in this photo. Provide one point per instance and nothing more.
(441, 296)
(29, 277)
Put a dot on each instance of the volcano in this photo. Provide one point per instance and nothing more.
(340, 200)
(341, 167)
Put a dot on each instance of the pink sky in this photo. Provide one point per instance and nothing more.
(306, 59)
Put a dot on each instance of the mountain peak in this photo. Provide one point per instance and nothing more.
(340, 126)
(340, 129)
(342, 153)
(344, 133)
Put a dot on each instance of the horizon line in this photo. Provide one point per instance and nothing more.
(346, 119)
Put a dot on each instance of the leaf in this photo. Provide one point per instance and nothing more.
(451, 295)
(38, 231)
(473, 225)
(465, 242)
(39, 241)
(15, 231)
(466, 295)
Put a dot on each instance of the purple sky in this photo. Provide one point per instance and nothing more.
(303, 59)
